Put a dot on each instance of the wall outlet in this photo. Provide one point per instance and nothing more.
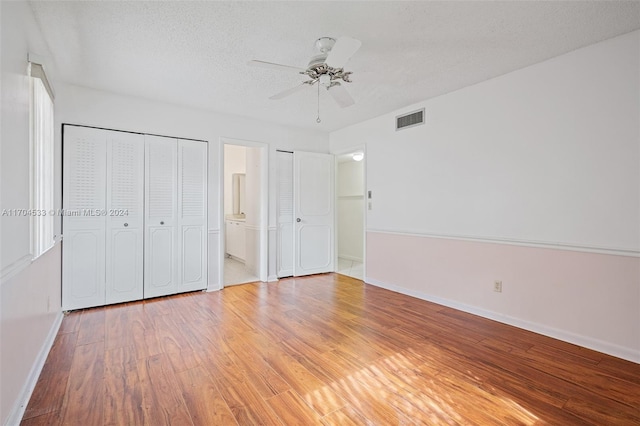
(497, 286)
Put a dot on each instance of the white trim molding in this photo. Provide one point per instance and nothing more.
(22, 263)
(515, 242)
(351, 258)
(213, 271)
(15, 268)
(272, 253)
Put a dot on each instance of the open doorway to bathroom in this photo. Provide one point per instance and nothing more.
(244, 195)
(350, 213)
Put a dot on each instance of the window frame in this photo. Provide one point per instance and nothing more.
(41, 162)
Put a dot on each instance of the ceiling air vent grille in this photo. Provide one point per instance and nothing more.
(414, 118)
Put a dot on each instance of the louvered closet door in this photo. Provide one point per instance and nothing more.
(124, 217)
(84, 200)
(285, 217)
(192, 214)
(161, 275)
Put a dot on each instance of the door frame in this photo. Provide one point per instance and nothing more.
(337, 154)
(264, 206)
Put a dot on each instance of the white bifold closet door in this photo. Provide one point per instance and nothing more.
(135, 216)
(161, 200)
(192, 215)
(124, 217)
(175, 222)
(284, 215)
(103, 222)
(83, 188)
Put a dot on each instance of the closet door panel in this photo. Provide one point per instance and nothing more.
(284, 215)
(192, 215)
(161, 273)
(83, 267)
(125, 217)
(84, 203)
(161, 260)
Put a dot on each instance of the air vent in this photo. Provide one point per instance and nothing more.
(414, 118)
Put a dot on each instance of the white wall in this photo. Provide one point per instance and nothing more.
(350, 188)
(79, 105)
(234, 162)
(548, 153)
(547, 156)
(30, 303)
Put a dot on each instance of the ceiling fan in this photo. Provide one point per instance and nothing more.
(326, 68)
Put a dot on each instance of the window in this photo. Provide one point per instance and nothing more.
(42, 162)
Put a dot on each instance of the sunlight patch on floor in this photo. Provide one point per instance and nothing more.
(434, 400)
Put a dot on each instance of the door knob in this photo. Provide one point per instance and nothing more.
(126, 224)
(161, 222)
(298, 220)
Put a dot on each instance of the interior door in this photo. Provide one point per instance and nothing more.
(160, 273)
(314, 212)
(124, 217)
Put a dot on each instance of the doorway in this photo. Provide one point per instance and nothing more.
(244, 212)
(350, 213)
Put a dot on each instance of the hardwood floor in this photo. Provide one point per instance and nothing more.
(326, 350)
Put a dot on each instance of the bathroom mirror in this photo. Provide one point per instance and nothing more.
(238, 193)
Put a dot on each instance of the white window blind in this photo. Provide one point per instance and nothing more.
(42, 163)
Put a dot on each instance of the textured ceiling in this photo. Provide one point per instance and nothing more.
(196, 53)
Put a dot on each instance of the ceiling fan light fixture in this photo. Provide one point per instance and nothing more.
(325, 80)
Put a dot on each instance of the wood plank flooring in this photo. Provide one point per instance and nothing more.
(325, 349)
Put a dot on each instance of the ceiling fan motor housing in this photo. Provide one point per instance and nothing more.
(325, 44)
(317, 60)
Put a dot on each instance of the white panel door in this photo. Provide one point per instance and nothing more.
(160, 272)
(192, 216)
(284, 215)
(124, 217)
(84, 203)
(313, 210)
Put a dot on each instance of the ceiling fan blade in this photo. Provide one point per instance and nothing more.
(271, 65)
(341, 96)
(288, 92)
(344, 49)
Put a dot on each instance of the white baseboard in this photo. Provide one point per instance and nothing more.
(351, 258)
(272, 278)
(567, 336)
(230, 256)
(25, 394)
